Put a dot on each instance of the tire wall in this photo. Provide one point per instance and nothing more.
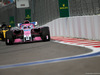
(86, 27)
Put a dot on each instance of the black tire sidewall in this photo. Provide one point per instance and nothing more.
(45, 33)
(9, 35)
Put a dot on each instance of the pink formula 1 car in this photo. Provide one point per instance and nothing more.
(27, 32)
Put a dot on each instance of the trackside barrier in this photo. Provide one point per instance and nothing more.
(87, 27)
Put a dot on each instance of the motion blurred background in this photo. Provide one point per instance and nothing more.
(45, 11)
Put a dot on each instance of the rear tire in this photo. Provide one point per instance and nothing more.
(9, 38)
(0, 36)
(3, 37)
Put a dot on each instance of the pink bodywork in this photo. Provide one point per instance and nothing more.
(20, 40)
(27, 32)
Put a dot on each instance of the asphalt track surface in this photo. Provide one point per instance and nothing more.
(46, 51)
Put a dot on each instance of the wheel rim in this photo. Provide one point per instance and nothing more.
(7, 40)
(47, 37)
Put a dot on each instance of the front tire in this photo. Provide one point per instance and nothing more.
(45, 35)
(9, 38)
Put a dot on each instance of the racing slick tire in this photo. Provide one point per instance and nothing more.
(45, 35)
(2, 37)
(9, 38)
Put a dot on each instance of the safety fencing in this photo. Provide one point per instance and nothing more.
(42, 11)
(45, 11)
(84, 7)
(87, 27)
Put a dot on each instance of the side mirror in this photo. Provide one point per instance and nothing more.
(19, 24)
(36, 24)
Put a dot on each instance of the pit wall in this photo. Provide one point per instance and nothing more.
(87, 27)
